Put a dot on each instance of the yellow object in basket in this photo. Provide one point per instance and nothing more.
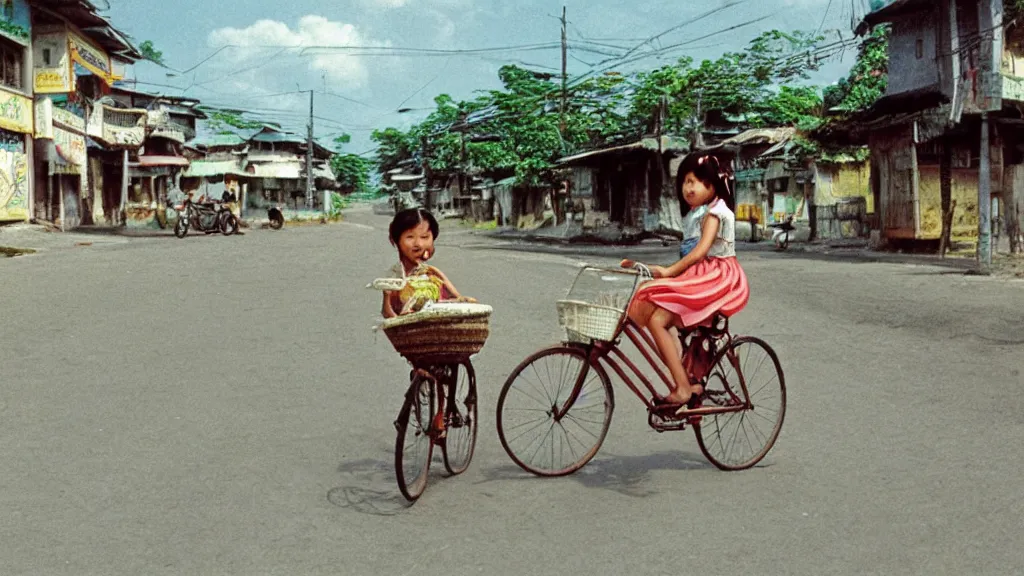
(421, 287)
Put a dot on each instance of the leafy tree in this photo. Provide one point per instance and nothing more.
(352, 172)
(867, 79)
(149, 52)
(740, 83)
(393, 147)
(221, 121)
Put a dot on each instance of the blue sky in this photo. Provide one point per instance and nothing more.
(364, 92)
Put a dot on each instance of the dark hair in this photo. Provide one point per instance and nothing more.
(707, 169)
(406, 220)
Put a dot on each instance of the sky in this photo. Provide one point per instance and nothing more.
(248, 53)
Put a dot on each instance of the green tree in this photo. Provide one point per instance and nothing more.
(867, 79)
(393, 147)
(352, 172)
(149, 52)
(222, 121)
(742, 83)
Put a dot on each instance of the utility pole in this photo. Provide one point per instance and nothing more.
(564, 77)
(309, 158)
(984, 200)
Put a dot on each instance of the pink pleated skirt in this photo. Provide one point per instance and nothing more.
(714, 285)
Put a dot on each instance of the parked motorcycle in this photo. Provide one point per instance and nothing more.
(207, 217)
(276, 217)
(780, 236)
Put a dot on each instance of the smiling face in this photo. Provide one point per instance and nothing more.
(416, 245)
(696, 192)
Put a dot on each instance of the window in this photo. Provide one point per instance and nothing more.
(47, 57)
(11, 59)
(919, 48)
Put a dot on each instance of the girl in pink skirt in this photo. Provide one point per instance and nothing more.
(707, 280)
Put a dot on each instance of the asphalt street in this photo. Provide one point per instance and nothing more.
(220, 405)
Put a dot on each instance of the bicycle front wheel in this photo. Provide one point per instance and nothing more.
(543, 428)
(460, 419)
(414, 445)
(747, 369)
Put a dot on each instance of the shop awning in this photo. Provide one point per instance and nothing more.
(211, 168)
(152, 161)
(279, 170)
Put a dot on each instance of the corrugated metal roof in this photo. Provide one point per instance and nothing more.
(280, 170)
(158, 160)
(668, 143)
(208, 168)
(217, 140)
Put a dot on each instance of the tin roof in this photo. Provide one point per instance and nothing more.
(668, 143)
(209, 168)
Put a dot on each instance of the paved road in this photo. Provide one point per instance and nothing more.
(220, 406)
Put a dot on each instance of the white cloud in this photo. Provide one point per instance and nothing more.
(391, 4)
(312, 30)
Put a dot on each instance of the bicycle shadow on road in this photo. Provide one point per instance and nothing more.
(627, 475)
(369, 488)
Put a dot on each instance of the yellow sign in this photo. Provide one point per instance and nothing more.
(51, 81)
(93, 59)
(16, 113)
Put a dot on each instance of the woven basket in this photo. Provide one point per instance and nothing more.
(584, 322)
(440, 334)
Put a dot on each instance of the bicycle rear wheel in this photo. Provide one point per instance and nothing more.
(529, 428)
(414, 445)
(746, 368)
(460, 419)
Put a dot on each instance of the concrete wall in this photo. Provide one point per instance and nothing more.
(913, 50)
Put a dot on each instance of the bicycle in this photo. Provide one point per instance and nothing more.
(575, 413)
(440, 406)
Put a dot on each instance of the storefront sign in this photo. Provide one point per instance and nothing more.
(68, 120)
(44, 117)
(88, 56)
(70, 146)
(14, 21)
(16, 113)
(52, 67)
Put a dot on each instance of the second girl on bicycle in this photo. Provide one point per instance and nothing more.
(706, 281)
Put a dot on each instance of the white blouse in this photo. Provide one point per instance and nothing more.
(725, 242)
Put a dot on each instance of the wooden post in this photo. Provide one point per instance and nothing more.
(124, 187)
(984, 199)
(63, 214)
(49, 195)
(946, 196)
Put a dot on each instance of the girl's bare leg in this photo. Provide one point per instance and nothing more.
(660, 323)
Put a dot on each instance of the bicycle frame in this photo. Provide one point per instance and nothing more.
(608, 353)
(443, 379)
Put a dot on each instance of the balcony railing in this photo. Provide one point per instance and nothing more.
(120, 127)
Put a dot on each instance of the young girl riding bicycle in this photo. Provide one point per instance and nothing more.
(413, 232)
(706, 280)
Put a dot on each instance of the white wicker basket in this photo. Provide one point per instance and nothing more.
(584, 322)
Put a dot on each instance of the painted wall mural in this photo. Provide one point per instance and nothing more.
(15, 23)
(13, 177)
(16, 113)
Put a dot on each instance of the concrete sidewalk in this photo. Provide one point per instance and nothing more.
(838, 250)
(42, 239)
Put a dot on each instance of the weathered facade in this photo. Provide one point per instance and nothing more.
(158, 163)
(627, 187)
(953, 67)
(830, 195)
(16, 114)
(81, 143)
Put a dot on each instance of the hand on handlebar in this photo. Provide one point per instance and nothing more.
(655, 271)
